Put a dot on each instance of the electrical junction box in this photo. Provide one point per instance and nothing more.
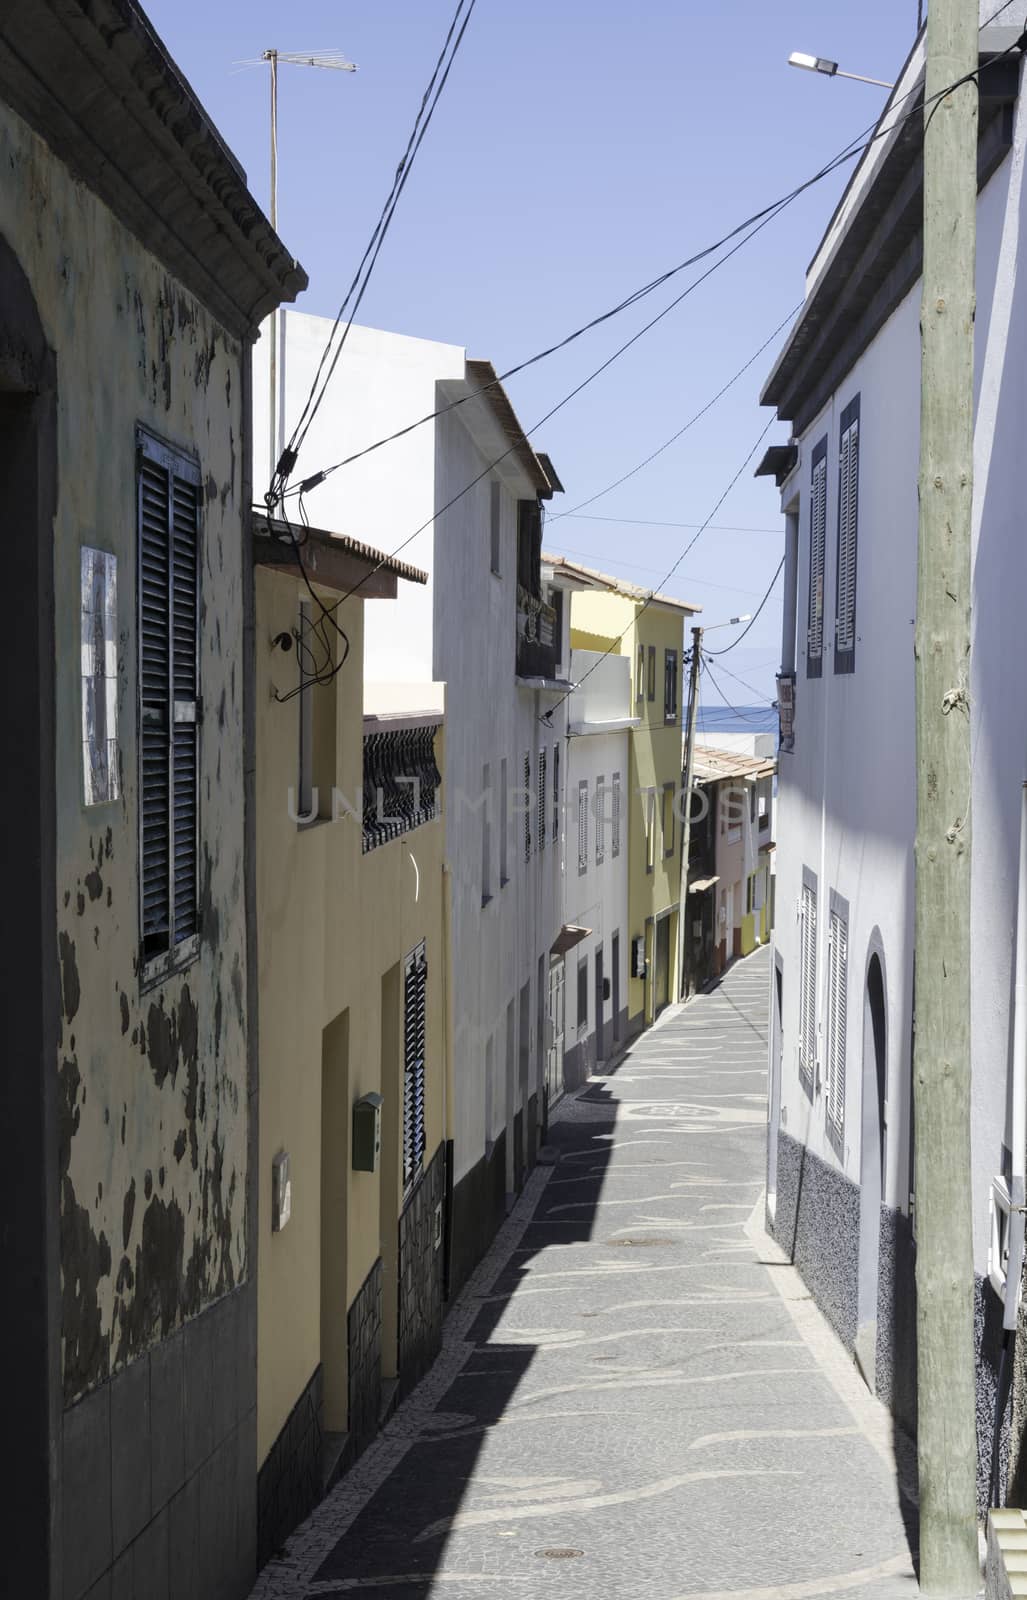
(367, 1132)
(638, 963)
(281, 1192)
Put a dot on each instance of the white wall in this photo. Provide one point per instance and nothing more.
(598, 897)
(847, 791)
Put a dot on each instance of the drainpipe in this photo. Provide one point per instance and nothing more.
(1018, 1138)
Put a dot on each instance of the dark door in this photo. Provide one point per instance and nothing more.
(662, 975)
(600, 1046)
(615, 960)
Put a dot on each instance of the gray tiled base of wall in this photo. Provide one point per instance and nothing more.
(817, 1222)
(420, 1275)
(364, 1345)
(478, 1210)
(158, 1468)
(289, 1483)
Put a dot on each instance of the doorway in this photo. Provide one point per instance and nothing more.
(600, 1037)
(774, 1106)
(615, 963)
(661, 976)
(334, 1186)
(873, 1136)
(554, 1053)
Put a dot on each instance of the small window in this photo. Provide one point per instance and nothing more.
(817, 535)
(670, 685)
(615, 817)
(582, 827)
(415, 1028)
(495, 524)
(651, 674)
(556, 794)
(848, 520)
(600, 810)
(837, 982)
(504, 824)
(808, 982)
(752, 802)
(649, 821)
(640, 686)
(168, 531)
(667, 819)
(486, 834)
(542, 812)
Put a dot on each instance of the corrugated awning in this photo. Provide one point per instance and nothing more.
(569, 935)
(702, 883)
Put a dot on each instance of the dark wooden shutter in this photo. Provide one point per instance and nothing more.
(542, 799)
(155, 705)
(168, 518)
(415, 991)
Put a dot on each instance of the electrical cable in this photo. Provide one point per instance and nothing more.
(856, 146)
(421, 124)
(760, 697)
(546, 716)
(557, 516)
(728, 647)
(733, 709)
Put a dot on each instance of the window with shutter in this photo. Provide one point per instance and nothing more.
(415, 993)
(670, 685)
(615, 817)
(527, 808)
(817, 553)
(168, 512)
(808, 983)
(556, 793)
(542, 813)
(600, 813)
(837, 979)
(582, 827)
(848, 523)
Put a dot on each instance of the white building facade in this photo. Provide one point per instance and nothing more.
(469, 489)
(595, 977)
(841, 1164)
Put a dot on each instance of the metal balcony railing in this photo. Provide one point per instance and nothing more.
(401, 783)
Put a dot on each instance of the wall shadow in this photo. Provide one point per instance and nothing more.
(401, 1533)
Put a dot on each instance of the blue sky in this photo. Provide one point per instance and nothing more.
(579, 149)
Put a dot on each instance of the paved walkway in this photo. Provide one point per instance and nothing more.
(636, 1396)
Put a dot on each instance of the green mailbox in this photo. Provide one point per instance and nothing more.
(367, 1132)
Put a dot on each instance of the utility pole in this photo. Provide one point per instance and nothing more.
(946, 1444)
(333, 61)
(686, 820)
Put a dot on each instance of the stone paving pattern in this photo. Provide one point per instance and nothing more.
(635, 1395)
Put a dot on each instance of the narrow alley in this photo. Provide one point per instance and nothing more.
(636, 1396)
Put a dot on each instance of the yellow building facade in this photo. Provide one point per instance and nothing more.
(353, 1032)
(650, 632)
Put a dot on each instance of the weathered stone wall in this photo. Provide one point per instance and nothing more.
(152, 1083)
(420, 1275)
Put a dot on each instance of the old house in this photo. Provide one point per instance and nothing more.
(842, 1180)
(464, 494)
(135, 269)
(353, 991)
(737, 796)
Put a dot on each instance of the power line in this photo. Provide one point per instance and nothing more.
(755, 614)
(436, 84)
(635, 566)
(760, 695)
(649, 522)
(754, 223)
(576, 510)
(733, 709)
(652, 595)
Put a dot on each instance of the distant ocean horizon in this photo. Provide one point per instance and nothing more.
(737, 719)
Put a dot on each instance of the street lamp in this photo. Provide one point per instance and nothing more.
(331, 61)
(830, 69)
(730, 623)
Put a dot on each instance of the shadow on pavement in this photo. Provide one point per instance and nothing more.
(401, 1534)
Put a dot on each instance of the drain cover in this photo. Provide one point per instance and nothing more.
(558, 1554)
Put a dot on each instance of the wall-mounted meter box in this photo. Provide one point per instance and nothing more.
(281, 1192)
(367, 1132)
(638, 956)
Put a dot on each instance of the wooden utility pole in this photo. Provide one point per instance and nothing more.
(947, 1444)
(686, 817)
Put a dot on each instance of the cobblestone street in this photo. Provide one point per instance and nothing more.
(636, 1396)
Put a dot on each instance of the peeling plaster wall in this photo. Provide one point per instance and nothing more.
(152, 1085)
